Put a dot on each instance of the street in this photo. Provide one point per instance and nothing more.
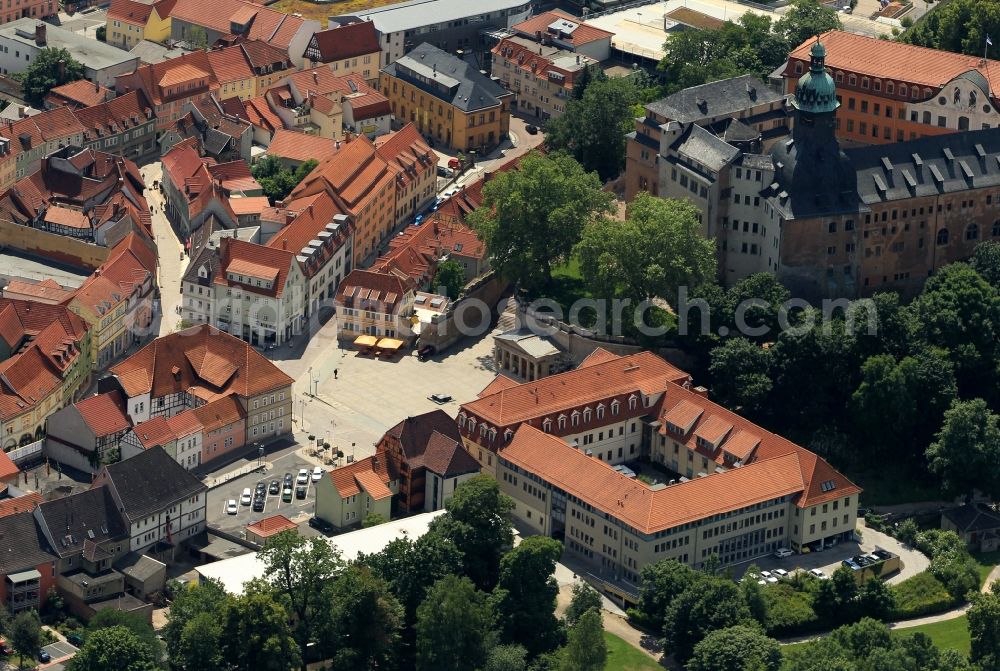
(171, 266)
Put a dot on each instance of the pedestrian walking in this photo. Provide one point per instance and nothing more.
(334, 373)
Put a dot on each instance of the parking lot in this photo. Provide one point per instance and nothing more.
(60, 652)
(288, 461)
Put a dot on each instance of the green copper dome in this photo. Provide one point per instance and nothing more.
(816, 93)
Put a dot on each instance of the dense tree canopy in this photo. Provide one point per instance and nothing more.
(959, 25)
(113, 649)
(454, 627)
(531, 218)
(276, 180)
(739, 648)
(525, 596)
(966, 452)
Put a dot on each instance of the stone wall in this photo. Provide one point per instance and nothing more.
(58, 248)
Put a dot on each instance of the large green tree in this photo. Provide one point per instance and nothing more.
(741, 370)
(276, 180)
(190, 602)
(662, 582)
(710, 604)
(199, 644)
(586, 649)
(532, 217)
(26, 634)
(986, 261)
(525, 597)
(449, 278)
(113, 649)
(739, 648)
(584, 597)
(362, 627)
(454, 627)
(966, 452)
(593, 128)
(984, 628)
(961, 26)
(137, 624)
(507, 658)
(256, 635)
(52, 67)
(478, 522)
(299, 568)
(804, 20)
(655, 251)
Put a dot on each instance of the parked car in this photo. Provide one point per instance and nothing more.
(454, 164)
(817, 573)
(5, 648)
(75, 638)
(300, 491)
(532, 129)
(286, 494)
(303, 476)
(780, 572)
(440, 399)
(258, 505)
(781, 553)
(246, 497)
(443, 171)
(426, 352)
(317, 474)
(288, 479)
(321, 525)
(231, 507)
(274, 488)
(260, 488)
(44, 657)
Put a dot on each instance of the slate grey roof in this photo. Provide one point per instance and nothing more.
(88, 51)
(150, 482)
(209, 256)
(531, 343)
(928, 166)
(140, 567)
(447, 77)
(90, 515)
(700, 145)
(408, 15)
(974, 517)
(22, 545)
(722, 98)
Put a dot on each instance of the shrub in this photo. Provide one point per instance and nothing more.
(789, 611)
(922, 594)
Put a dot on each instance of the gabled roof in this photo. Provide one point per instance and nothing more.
(46, 291)
(25, 381)
(368, 289)
(635, 503)
(125, 112)
(22, 546)
(219, 413)
(715, 99)
(270, 526)
(19, 504)
(186, 76)
(104, 413)
(130, 11)
(447, 457)
(301, 147)
(201, 354)
(312, 216)
(90, 515)
(354, 176)
(347, 41)
(370, 474)
(564, 28)
(265, 23)
(251, 260)
(151, 482)
(634, 374)
(413, 433)
(78, 94)
(973, 517)
(931, 68)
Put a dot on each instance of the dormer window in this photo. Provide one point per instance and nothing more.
(600, 411)
(633, 400)
(508, 435)
(461, 420)
(576, 418)
(562, 421)
(587, 414)
(483, 428)
(472, 424)
(547, 425)
(615, 406)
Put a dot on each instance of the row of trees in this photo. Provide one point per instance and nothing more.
(458, 598)
(961, 26)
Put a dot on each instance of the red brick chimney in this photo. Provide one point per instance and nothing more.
(40, 34)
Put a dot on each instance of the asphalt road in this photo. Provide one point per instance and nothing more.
(287, 461)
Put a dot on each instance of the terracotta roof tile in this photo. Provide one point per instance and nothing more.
(25, 381)
(7, 467)
(130, 11)
(19, 504)
(78, 94)
(266, 24)
(347, 41)
(47, 290)
(373, 484)
(648, 511)
(365, 287)
(898, 61)
(104, 413)
(219, 413)
(192, 351)
(298, 146)
(345, 478)
(270, 526)
(583, 34)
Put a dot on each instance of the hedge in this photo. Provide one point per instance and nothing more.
(922, 594)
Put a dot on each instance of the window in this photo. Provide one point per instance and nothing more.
(942, 236)
(972, 232)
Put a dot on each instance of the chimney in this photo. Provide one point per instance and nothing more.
(97, 87)
(701, 391)
(284, 244)
(62, 67)
(578, 59)
(315, 77)
(40, 34)
(289, 217)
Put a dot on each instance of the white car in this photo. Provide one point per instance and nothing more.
(781, 553)
(817, 573)
(771, 580)
(780, 572)
(317, 474)
(246, 498)
(303, 477)
(765, 574)
(231, 507)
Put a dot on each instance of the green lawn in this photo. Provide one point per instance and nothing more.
(623, 657)
(986, 561)
(947, 634)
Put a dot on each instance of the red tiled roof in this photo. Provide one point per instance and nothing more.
(266, 24)
(7, 467)
(259, 113)
(18, 504)
(129, 265)
(347, 41)
(354, 176)
(104, 413)
(369, 472)
(154, 432)
(269, 526)
(130, 11)
(187, 76)
(309, 221)
(203, 356)
(368, 288)
(230, 64)
(897, 61)
(643, 373)
(584, 33)
(48, 290)
(298, 146)
(257, 261)
(25, 381)
(599, 485)
(219, 413)
(78, 94)
(126, 111)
